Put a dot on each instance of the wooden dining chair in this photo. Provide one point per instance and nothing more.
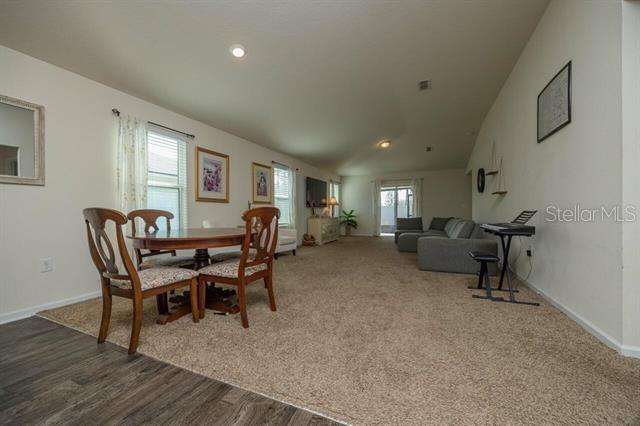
(150, 218)
(255, 262)
(130, 283)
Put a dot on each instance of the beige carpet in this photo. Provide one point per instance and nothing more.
(362, 336)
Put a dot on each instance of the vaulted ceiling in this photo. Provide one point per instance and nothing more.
(322, 81)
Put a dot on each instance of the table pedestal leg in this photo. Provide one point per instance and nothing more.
(174, 307)
(201, 258)
(217, 299)
(179, 305)
(162, 303)
(221, 300)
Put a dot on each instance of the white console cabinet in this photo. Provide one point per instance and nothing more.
(324, 229)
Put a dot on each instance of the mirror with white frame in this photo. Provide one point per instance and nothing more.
(21, 142)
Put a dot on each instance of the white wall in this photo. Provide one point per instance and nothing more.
(16, 129)
(444, 193)
(80, 143)
(578, 265)
(631, 172)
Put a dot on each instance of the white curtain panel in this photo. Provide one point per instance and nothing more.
(132, 164)
(292, 201)
(375, 193)
(416, 185)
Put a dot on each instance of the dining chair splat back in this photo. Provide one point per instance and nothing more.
(255, 262)
(129, 282)
(261, 234)
(96, 219)
(150, 218)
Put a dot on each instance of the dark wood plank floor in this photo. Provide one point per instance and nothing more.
(55, 375)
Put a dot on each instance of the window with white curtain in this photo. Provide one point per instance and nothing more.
(283, 187)
(167, 175)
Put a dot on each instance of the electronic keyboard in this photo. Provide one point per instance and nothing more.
(509, 229)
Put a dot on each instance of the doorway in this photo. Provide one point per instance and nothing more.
(395, 202)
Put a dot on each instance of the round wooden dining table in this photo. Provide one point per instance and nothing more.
(200, 240)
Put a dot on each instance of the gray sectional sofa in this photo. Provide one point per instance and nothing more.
(445, 246)
(404, 225)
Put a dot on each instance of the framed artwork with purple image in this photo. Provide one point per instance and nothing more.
(212, 176)
(262, 186)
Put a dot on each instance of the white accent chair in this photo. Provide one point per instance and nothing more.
(287, 241)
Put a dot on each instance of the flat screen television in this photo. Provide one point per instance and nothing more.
(316, 192)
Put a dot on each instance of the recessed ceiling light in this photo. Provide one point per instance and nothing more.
(384, 143)
(237, 50)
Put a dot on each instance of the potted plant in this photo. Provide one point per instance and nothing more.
(348, 219)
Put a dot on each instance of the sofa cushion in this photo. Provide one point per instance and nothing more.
(435, 233)
(477, 232)
(409, 223)
(466, 229)
(285, 240)
(408, 241)
(455, 229)
(404, 231)
(438, 223)
(452, 255)
(461, 228)
(448, 228)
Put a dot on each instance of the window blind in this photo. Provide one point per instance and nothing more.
(167, 177)
(283, 194)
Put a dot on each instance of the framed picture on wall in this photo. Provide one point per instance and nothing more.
(262, 184)
(212, 176)
(554, 104)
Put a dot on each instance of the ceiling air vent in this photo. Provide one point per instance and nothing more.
(424, 85)
(429, 149)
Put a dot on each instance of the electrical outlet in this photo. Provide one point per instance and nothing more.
(46, 264)
(530, 251)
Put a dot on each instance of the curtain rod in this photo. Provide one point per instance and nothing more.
(397, 180)
(284, 165)
(189, 135)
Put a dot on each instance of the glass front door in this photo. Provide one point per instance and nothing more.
(395, 202)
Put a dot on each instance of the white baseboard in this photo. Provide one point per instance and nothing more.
(629, 351)
(28, 312)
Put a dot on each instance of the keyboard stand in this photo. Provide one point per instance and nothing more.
(505, 262)
(512, 296)
(480, 286)
(484, 276)
(506, 247)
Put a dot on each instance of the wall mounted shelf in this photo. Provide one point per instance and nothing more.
(500, 186)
